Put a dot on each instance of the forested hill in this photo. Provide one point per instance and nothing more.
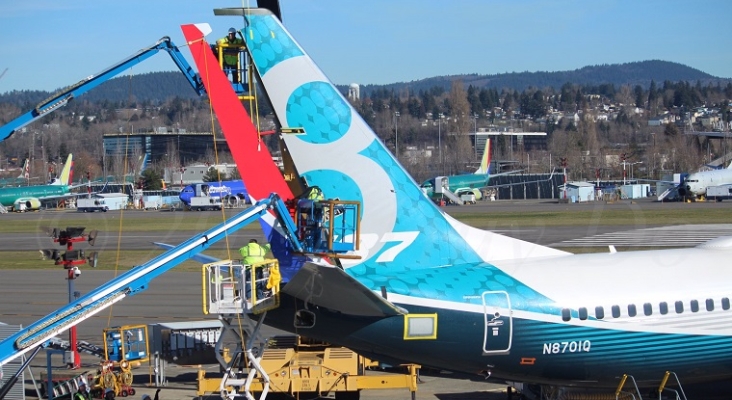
(634, 73)
(156, 87)
(152, 87)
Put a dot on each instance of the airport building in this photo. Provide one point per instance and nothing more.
(191, 146)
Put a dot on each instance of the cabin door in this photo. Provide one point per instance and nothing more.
(498, 323)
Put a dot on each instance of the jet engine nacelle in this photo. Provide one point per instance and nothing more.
(26, 204)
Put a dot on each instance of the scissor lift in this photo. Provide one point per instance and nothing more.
(238, 291)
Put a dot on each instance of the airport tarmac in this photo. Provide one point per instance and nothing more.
(556, 236)
(175, 297)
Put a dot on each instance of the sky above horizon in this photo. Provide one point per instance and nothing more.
(48, 44)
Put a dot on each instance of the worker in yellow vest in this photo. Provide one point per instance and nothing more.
(231, 54)
(253, 252)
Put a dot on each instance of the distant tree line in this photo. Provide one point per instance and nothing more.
(587, 124)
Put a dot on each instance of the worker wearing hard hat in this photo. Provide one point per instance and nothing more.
(231, 54)
(253, 252)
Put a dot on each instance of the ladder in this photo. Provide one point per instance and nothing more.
(3, 210)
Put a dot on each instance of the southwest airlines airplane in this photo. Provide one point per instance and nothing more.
(431, 290)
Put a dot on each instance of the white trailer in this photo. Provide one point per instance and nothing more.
(202, 203)
(91, 204)
(720, 192)
(102, 202)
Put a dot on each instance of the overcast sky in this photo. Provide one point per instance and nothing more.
(48, 44)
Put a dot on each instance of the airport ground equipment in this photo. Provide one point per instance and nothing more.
(238, 291)
(126, 344)
(303, 368)
(71, 260)
(138, 278)
(63, 97)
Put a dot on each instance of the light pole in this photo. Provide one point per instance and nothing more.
(475, 138)
(653, 166)
(396, 133)
(631, 168)
(439, 138)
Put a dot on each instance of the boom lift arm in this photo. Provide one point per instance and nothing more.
(63, 97)
(137, 280)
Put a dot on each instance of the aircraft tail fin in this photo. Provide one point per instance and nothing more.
(485, 161)
(333, 148)
(25, 171)
(67, 172)
(255, 165)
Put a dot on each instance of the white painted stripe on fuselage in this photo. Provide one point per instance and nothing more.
(702, 322)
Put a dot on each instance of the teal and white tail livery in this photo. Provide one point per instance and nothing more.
(431, 290)
(341, 154)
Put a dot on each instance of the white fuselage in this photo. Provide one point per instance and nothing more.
(698, 182)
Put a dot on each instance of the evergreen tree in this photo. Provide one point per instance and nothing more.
(152, 179)
(212, 175)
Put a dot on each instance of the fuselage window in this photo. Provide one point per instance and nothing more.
(663, 308)
(582, 313)
(599, 312)
(679, 307)
(631, 310)
(725, 303)
(647, 309)
(694, 306)
(566, 316)
(710, 305)
(616, 311)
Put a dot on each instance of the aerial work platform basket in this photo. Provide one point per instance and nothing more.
(328, 227)
(231, 287)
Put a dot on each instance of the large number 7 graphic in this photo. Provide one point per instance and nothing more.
(405, 239)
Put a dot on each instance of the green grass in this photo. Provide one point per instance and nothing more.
(137, 221)
(108, 260)
(129, 221)
(599, 216)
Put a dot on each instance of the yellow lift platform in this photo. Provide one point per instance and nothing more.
(296, 366)
(282, 364)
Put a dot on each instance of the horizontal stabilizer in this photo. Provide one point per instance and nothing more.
(330, 287)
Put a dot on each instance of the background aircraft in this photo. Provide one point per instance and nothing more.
(30, 197)
(224, 189)
(695, 185)
(464, 183)
(431, 290)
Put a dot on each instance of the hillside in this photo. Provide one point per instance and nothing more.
(156, 87)
(635, 73)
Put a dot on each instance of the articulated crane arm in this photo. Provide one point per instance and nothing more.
(63, 97)
(136, 280)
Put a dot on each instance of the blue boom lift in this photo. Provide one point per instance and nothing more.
(337, 239)
(63, 97)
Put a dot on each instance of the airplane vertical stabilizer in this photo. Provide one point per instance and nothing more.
(260, 175)
(401, 228)
(25, 171)
(67, 172)
(485, 161)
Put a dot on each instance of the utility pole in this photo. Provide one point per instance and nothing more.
(563, 163)
(439, 140)
(396, 133)
(624, 157)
